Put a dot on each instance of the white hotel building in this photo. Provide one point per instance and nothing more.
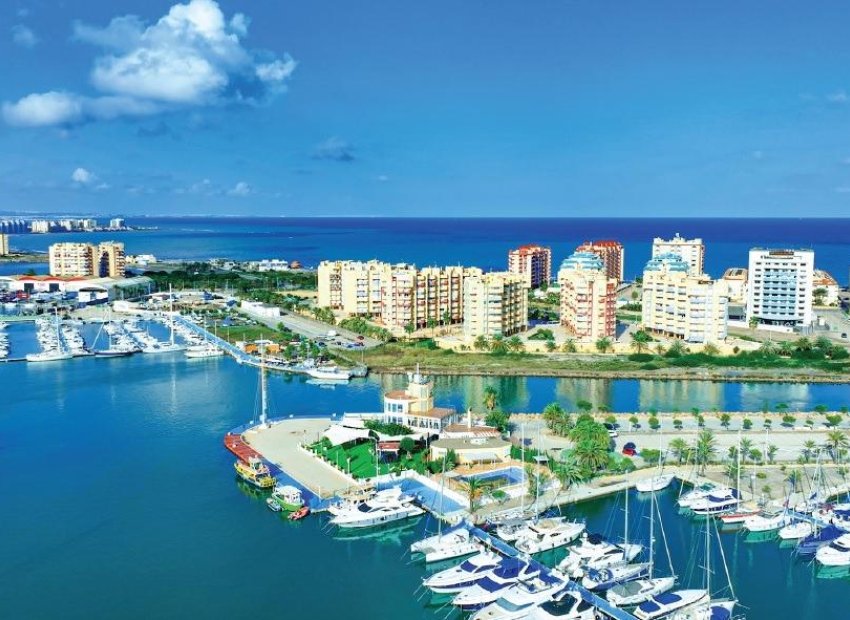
(779, 293)
(692, 251)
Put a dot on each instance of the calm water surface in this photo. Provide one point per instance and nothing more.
(118, 499)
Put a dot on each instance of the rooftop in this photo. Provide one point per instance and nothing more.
(436, 412)
(471, 443)
(735, 273)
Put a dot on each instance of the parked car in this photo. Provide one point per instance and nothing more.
(630, 449)
(612, 429)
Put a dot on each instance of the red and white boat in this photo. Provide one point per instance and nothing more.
(737, 517)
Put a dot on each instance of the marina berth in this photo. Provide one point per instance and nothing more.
(464, 575)
(491, 587)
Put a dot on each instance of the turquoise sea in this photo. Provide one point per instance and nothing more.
(119, 500)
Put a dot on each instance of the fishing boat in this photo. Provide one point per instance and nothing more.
(465, 574)
(285, 497)
(453, 543)
(491, 587)
(254, 472)
(641, 590)
(836, 553)
(567, 605)
(518, 601)
(546, 534)
(385, 507)
(669, 602)
(655, 483)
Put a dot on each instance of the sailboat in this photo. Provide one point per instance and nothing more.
(636, 592)
(741, 515)
(254, 470)
(171, 346)
(660, 480)
(54, 350)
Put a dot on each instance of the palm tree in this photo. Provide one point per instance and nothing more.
(746, 447)
(706, 448)
(809, 448)
(794, 477)
(786, 348)
(771, 453)
(640, 340)
(603, 345)
(710, 349)
(481, 343)
(803, 344)
(552, 414)
(679, 448)
(474, 489)
(569, 473)
(836, 440)
(591, 455)
(569, 346)
(431, 324)
(515, 344)
(409, 329)
(491, 398)
(768, 347)
(753, 322)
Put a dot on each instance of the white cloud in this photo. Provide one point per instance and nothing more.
(83, 176)
(838, 97)
(240, 189)
(190, 57)
(23, 36)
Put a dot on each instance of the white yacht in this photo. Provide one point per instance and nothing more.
(796, 530)
(329, 373)
(455, 543)
(718, 501)
(836, 553)
(606, 578)
(493, 585)
(465, 574)
(695, 495)
(518, 601)
(669, 602)
(50, 355)
(202, 351)
(509, 529)
(547, 534)
(716, 609)
(593, 553)
(568, 605)
(640, 591)
(385, 507)
(655, 483)
(767, 522)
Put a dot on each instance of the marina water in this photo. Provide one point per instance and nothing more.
(118, 495)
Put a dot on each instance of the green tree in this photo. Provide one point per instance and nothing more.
(569, 346)
(809, 448)
(481, 343)
(474, 489)
(498, 419)
(431, 324)
(633, 420)
(711, 349)
(446, 317)
(836, 440)
(705, 449)
(585, 406)
(771, 453)
(753, 322)
(491, 398)
(640, 340)
(407, 445)
(515, 344)
(678, 447)
(747, 424)
(603, 345)
(409, 329)
(725, 418)
(653, 422)
(569, 473)
(550, 346)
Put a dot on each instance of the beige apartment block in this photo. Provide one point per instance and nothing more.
(495, 304)
(612, 254)
(112, 261)
(4, 244)
(87, 260)
(588, 297)
(692, 251)
(532, 261)
(680, 305)
(352, 287)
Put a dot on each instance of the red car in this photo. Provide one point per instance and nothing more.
(630, 449)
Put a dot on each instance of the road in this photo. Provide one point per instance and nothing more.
(313, 329)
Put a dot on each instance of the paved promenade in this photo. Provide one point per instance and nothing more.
(279, 444)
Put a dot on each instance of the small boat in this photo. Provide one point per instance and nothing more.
(639, 591)
(203, 351)
(454, 543)
(510, 529)
(299, 514)
(714, 609)
(655, 483)
(285, 497)
(254, 472)
(717, 502)
(593, 553)
(737, 517)
(467, 573)
(547, 534)
(567, 605)
(606, 578)
(49, 356)
(491, 587)
(669, 602)
(809, 546)
(384, 507)
(796, 530)
(115, 352)
(836, 553)
(329, 373)
(520, 599)
(767, 522)
(694, 495)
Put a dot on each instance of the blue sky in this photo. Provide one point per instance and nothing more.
(394, 107)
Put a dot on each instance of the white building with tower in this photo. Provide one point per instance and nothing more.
(692, 251)
(779, 294)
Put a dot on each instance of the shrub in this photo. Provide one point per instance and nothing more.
(641, 357)
(649, 367)
(747, 424)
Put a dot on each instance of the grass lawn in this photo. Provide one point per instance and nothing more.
(247, 333)
(363, 459)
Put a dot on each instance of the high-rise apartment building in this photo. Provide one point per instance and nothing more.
(779, 292)
(495, 304)
(692, 251)
(86, 260)
(588, 297)
(352, 287)
(4, 244)
(678, 304)
(532, 261)
(612, 254)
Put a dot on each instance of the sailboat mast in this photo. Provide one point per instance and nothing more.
(522, 458)
(263, 395)
(171, 312)
(651, 533)
(626, 534)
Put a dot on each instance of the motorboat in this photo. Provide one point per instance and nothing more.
(329, 373)
(606, 578)
(254, 472)
(464, 575)
(738, 517)
(567, 605)
(54, 355)
(836, 553)
(520, 599)
(595, 553)
(810, 545)
(115, 351)
(796, 530)
(203, 351)
(454, 543)
(717, 502)
(655, 483)
(694, 495)
(385, 507)
(510, 529)
(639, 591)
(546, 534)
(767, 522)
(493, 585)
(665, 604)
(285, 497)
